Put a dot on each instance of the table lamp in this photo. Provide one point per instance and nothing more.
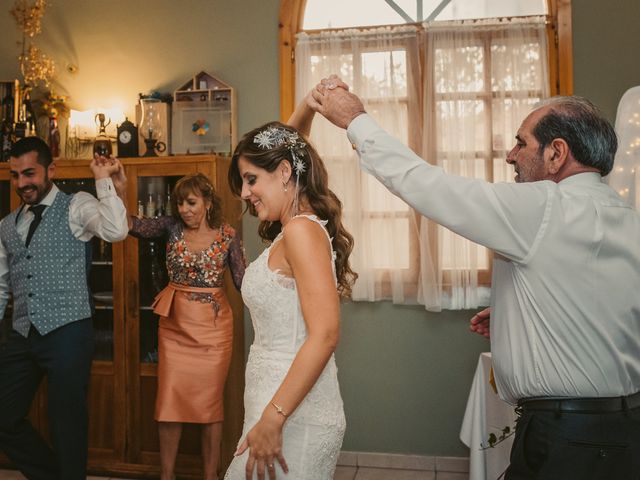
(151, 127)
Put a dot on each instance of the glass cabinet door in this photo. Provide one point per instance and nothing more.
(100, 263)
(107, 385)
(154, 200)
(5, 208)
(150, 187)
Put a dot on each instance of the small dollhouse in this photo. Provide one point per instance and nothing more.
(203, 116)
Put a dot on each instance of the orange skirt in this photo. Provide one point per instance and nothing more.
(194, 353)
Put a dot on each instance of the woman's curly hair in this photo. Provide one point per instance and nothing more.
(313, 184)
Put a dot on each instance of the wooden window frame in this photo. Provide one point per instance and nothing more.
(560, 54)
(486, 96)
(559, 34)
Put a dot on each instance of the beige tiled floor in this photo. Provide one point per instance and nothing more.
(342, 473)
(364, 473)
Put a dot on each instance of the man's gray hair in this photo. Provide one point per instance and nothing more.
(591, 138)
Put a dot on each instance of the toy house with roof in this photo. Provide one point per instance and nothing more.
(203, 116)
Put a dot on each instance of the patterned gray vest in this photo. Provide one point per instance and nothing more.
(48, 279)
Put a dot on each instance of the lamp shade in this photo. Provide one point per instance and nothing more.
(150, 125)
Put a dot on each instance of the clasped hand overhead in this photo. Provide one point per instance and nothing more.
(105, 167)
(332, 99)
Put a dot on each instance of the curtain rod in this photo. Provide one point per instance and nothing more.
(533, 19)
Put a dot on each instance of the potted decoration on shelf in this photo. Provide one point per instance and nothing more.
(38, 102)
(49, 109)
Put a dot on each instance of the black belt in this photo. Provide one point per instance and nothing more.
(582, 405)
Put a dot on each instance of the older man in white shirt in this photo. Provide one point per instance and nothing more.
(565, 330)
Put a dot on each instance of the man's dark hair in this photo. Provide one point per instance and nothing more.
(580, 123)
(33, 144)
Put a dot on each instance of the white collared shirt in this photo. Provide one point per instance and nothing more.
(104, 217)
(565, 317)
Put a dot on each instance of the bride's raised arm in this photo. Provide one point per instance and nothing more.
(302, 117)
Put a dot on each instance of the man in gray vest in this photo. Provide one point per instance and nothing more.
(43, 264)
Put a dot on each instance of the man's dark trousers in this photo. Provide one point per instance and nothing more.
(64, 357)
(555, 445)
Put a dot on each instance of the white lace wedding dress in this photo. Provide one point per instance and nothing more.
(312, 434)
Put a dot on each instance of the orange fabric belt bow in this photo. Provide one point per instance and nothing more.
(162, 303)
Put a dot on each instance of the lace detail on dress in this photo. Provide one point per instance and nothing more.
(285, 281)
(313, 433)
(289, 282)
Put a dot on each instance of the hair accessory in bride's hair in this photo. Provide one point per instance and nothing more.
(274, 137)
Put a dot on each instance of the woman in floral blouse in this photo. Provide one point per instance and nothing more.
(196, 323)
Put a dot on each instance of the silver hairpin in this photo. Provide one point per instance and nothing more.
(274, 137)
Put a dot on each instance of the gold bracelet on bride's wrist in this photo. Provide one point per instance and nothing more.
(279, 409)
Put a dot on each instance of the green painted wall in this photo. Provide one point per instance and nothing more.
(405, 373)
(123, 47)
(605, 50)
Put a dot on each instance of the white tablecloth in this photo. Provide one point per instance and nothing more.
(486, 414)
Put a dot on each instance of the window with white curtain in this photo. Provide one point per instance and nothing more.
(382, 65)
(455, 92)
(482, 80)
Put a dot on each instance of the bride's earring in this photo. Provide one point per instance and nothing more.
(285, 183)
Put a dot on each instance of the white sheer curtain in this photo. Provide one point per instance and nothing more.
(382, 66)
(482, 78)
(625, 176)
(461, 112)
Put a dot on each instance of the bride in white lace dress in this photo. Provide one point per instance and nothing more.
(294, 419)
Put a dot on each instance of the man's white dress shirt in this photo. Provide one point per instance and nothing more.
(104, 217)
(565, 318)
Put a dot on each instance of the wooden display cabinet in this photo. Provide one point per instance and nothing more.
(5, 190)
(125, 276)
(5, 208)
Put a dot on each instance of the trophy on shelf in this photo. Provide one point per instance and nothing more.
(102, 143)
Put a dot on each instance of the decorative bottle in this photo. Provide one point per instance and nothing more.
(6, 140)
(7, 108)
(159, 206)
(168, 206)
(150, 210)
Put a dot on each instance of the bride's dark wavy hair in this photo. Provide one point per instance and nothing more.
(313, 187)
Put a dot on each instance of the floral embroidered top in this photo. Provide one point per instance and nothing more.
(195, 269)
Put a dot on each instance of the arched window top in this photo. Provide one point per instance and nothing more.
(320, 14)
(297, 15)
